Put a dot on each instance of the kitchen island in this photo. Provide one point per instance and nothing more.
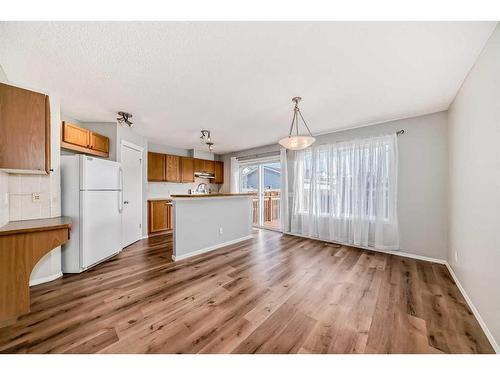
(205, 222)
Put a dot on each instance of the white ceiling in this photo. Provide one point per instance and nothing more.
(237, 79)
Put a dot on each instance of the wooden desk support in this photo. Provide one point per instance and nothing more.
(22, 245)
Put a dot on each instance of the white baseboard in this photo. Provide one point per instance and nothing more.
(45, 279)
(145, 236)
(210, 248)
(392, 252)
(474, 310)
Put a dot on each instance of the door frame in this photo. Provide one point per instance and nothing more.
(259, 163)
(140, 149)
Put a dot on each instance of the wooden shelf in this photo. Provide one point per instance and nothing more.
(22, 245)
(84, 150)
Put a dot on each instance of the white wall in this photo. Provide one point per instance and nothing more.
(422, 186)
(474, 180)
(197, 222)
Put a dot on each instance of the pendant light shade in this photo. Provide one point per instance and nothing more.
(295, 141)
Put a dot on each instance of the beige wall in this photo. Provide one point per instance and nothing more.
(474, 180)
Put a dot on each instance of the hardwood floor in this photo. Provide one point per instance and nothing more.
(269, 294)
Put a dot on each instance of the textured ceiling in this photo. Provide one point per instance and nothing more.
(237, 79)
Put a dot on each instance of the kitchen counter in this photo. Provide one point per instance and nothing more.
(212, 195)
(37, 225)
(159, 199)
(207, 222)
(22, 245)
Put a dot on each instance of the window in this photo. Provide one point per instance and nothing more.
(346, 181)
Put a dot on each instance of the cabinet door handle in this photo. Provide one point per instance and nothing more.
(125, 202)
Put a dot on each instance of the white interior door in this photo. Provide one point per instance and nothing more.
(131, 161)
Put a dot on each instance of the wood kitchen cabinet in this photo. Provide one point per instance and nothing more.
(76, 138)
(75, 135)
(99, 142)
(199, 165)
(219, 172)
(209, 166)
(159, 216)
(187, 169)
(156, 166)
(172, 168)
(24, 130)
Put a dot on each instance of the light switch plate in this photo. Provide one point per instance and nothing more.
(35, 197)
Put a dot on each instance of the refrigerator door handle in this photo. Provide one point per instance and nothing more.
(120, 196)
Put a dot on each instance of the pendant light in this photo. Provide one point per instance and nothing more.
(296, 141)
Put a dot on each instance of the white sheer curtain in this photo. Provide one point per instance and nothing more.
(347, 192)
(234, 183)
(285, 218)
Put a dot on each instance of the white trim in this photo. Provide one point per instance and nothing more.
(144, 236)
(392, 252)
(132, 145)
(475, 311)
(46, 279)
(210, 248)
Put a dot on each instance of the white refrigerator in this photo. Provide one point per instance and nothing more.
(91, 190)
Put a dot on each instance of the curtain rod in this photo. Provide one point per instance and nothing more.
(258, 156)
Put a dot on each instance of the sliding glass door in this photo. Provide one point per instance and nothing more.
(264, 180)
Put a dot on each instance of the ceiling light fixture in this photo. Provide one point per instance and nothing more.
(297, 142)
(206, 139)
(124, 117)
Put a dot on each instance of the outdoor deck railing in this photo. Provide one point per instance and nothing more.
(271, 202)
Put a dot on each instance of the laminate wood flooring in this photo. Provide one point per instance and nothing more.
(270, 294)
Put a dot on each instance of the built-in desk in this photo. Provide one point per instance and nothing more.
(22, 245)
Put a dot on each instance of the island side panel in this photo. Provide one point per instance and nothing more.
(197, 223)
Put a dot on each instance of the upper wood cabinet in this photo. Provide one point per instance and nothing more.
(99, 142)
(219, 172)
(187, 169)
(24, 130)
(209, 166)
(172, 168)
(75, 135)
(76, 138)
(199, 165)
(156, 166)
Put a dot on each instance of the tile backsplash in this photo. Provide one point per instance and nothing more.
(4, 198)
(21, 188)
(165, 189)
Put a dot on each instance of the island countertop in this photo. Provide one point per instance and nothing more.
(212, 195)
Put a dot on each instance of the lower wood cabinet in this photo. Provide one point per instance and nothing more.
(159, 216)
